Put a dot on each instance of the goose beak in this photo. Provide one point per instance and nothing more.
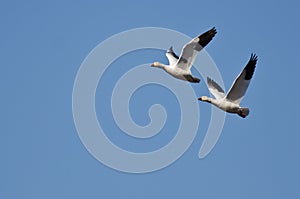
(200, 98)
(152, 65)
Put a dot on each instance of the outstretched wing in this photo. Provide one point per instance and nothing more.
(241, 83)
(172, 57)
(215, 89)
(190, 50)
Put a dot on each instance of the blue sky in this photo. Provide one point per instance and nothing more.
(42, 47)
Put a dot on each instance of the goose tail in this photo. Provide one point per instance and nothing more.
(243, 112)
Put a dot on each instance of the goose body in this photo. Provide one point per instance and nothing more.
(180, 67)
(230, 102)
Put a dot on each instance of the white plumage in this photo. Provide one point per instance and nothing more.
(231, 102)
(180, 67)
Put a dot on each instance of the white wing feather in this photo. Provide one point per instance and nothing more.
(172, 57)
(215, 89)
(241, 83)
(190, 51)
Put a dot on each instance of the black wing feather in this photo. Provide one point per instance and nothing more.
(250, 67)
(206, 37)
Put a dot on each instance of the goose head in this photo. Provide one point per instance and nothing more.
(157, 65)
(204, 99)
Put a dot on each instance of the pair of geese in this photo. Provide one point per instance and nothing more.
(180, 67)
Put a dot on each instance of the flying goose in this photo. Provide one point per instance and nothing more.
(231, 102)
(180, 67)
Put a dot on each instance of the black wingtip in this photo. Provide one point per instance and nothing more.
(205, 38)
(253, 57)
(213, 30)
(250, 67)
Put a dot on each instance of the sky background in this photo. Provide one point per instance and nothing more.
(42, 47)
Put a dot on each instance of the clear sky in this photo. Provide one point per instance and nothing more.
(42, 47)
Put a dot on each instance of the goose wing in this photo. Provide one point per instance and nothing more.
(241, 83)
(215, 89)
(190, 50)
(172, 57)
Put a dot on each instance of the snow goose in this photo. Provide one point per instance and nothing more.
(231, 102)
(180, 67)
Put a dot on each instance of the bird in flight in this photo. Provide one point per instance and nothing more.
(180, 67)
(231, 101)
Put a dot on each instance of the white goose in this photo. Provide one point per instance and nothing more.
(231, 102)
(180, 67)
